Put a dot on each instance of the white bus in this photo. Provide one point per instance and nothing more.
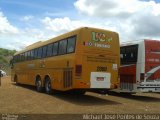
(140, 66)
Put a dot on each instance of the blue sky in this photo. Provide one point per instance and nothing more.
(15, 9)
(23, 22)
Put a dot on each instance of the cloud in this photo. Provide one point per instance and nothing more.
(6, 27)
(26, 37)
(133, 19)
(27, 18)
(147, 26)
(116, 8)
(61, 25)
(12, 37)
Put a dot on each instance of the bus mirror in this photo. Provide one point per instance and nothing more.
(11, 63)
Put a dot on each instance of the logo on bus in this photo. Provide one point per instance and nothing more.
(100, 37)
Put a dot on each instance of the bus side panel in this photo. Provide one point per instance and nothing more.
(60, 71)
(22, 77)
(152, 66)
(140, 61)
(21, 74)
(56, 79)
(31, 71)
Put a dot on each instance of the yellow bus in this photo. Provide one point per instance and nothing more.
(81, 60)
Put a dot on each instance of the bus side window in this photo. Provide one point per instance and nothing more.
(129, 54)
(17, 58)
(20, 57)
(25, 56)
(49, 50)
(28, 55)
(35, 53)
(44, 53)
(121, 55)
(11, 63)
(55, 48)
(31, 54)
(71, 44)
(62, 47)
(132, 55)
(40, 52)
(14, 59)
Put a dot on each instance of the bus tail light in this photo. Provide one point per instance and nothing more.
(118, 79)
(115, 86)
(78, 70)
(142, 77)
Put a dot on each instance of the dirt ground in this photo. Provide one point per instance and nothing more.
(25, 100)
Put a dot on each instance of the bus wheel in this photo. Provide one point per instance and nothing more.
(79, 92)
(39, 87)
(48, 87)
(126, 94)
(16, 79)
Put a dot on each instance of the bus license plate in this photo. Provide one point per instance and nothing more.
(100, 78)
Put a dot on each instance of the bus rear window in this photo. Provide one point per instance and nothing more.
(62, 47)
(71, 44)
(129, 54)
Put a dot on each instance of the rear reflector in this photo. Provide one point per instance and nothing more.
(115, 86)
(78, 70)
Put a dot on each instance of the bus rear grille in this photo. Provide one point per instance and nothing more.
(128, 86)
(67, 78)
(127, 82)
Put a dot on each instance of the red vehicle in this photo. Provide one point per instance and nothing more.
(140, 66)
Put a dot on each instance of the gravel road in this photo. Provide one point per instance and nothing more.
(25, 100)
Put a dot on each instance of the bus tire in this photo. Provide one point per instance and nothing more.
(82, 92)
(38, 83)
(16, 79)
(48, 87)
(79, 92)
(126, 94)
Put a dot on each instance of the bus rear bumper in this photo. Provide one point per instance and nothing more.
(149, 87)
(142, 87)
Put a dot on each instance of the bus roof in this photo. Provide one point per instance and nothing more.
(133, 42)
(62, 36)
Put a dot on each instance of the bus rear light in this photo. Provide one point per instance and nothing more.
(115, 86)
(118, 78)
(78, 70)
(142, 76)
